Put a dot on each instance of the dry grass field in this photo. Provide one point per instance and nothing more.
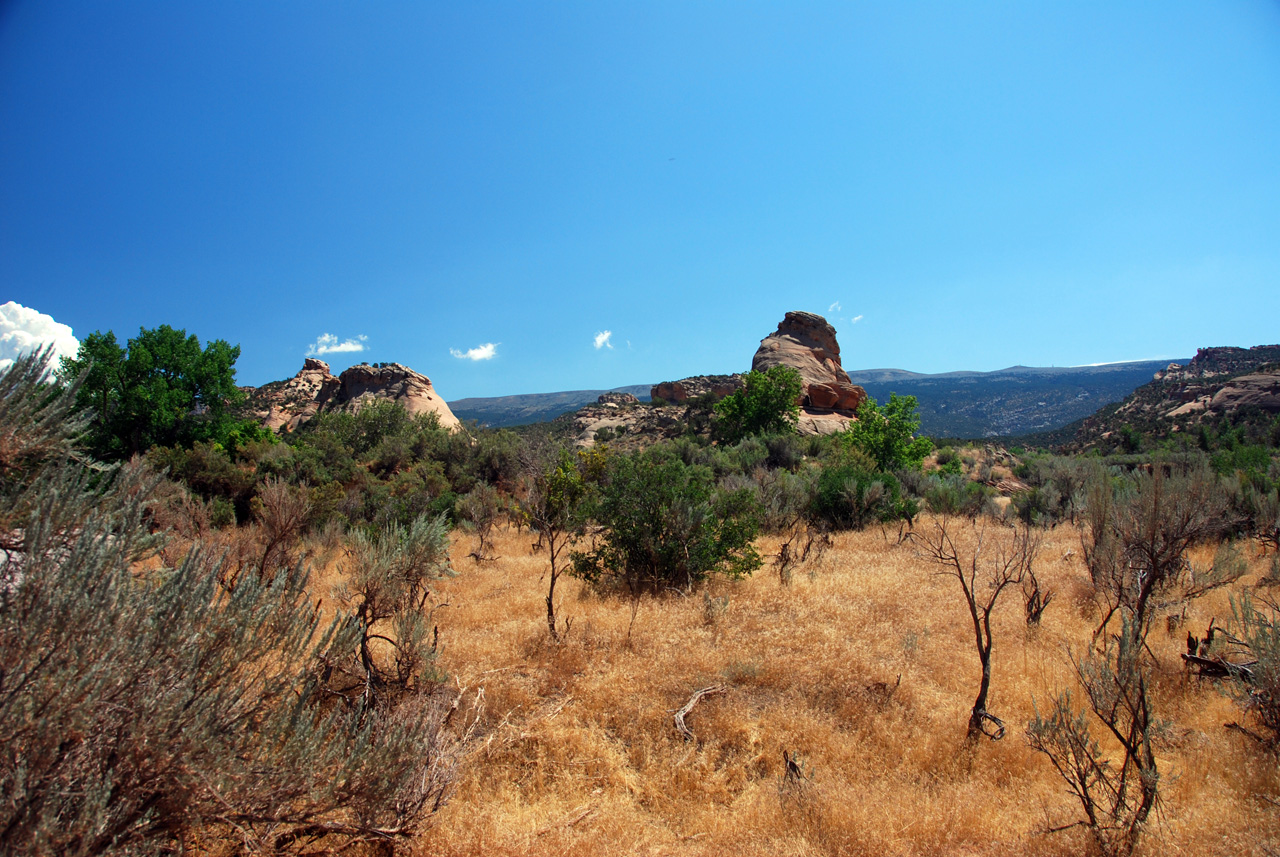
(864, 668)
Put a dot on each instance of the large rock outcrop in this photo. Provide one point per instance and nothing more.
(679, 392)
(807, 343)
(293, 402)
(1259, 391)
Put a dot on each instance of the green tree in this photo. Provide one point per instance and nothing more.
(667, 525)
(887, 434)
(161, 389)
(767, 403)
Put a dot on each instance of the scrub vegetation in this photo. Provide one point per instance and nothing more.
(373, 635)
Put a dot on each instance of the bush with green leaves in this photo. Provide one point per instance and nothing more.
(954, 494)
(555, 505)
(767, 403)
(666, 525)
(887, 434)
(852, 495)
(151, 711)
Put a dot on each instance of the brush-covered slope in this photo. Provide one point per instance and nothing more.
(1014, 401)
(1238, 384)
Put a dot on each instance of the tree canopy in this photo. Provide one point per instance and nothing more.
(887, 434)
(768, 403)
(161, 389)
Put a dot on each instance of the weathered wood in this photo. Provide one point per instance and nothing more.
(684, 710)
(583, 812)
(1219, 668)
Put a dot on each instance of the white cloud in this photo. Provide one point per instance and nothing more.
(23, 329)
(327, 343)
(602, 339)
(835, 307)
(487, 351)
(855, 319)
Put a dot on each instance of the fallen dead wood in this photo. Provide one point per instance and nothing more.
(1220, 668)
(582, 812)
(684, 710)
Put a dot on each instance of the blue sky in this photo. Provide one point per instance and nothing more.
(481, 191)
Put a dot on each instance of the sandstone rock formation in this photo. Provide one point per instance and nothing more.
(807, 343)
(616, 399)
(293, 402)
(681, 391)
(1260, 390)
(628, 426)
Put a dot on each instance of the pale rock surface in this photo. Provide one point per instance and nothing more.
(679, 392)
(807, 343)
(1259, 390)
(617, 399)
(364, 383)
(292, 402)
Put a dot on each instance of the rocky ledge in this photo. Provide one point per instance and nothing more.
(290, 403)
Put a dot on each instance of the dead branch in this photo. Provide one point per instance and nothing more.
(581, 813)
(684, 710)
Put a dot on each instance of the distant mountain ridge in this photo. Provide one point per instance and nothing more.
(1014, 401)
(522, 409)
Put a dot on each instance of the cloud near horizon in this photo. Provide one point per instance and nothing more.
(23, 330)
(327, 343)
(835, 307)
(487, 351)
(855, 319)
(602, 339)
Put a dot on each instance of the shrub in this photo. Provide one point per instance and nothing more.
(387, 588)
(667, 526)
(852, 496)
(956, 495)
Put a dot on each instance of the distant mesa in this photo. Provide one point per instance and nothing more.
(290, 403)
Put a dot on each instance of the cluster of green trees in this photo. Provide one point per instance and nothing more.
(159, 389)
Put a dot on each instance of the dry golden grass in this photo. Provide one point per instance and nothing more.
(577, 753)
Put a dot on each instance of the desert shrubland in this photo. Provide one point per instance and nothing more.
(863, 669)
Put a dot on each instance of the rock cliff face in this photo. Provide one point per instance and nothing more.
(1243, 383)
(679, 392)
(291, 403)
(807, 343)
(1260, 391)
